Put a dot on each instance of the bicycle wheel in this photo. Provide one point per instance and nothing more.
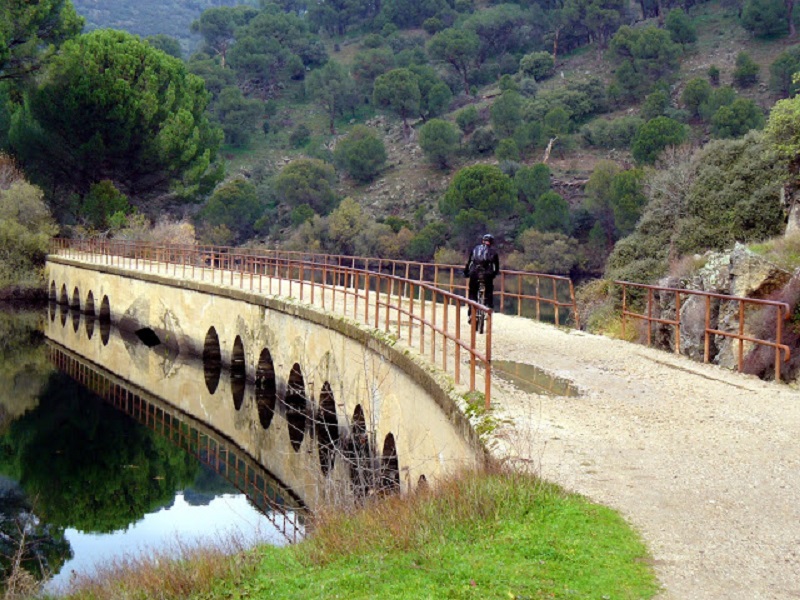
(480, 313)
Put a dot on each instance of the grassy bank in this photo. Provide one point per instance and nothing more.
(482, 536)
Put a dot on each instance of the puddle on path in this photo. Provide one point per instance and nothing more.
(533, 379)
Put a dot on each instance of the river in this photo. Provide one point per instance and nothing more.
(85, 481)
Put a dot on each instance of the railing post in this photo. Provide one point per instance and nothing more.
(707, 341)
(778, 341)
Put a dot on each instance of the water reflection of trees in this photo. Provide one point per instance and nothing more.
(91, 469)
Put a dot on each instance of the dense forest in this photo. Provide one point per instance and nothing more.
(590, 136)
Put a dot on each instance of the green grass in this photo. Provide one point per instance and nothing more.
(489, 536)
(482, 536)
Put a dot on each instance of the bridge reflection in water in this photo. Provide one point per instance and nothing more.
(276, 501)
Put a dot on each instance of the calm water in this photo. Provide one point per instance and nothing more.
(87, 481)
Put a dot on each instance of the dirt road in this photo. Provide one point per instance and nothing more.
(704, 462)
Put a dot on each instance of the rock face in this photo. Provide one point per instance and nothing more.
(740, 273)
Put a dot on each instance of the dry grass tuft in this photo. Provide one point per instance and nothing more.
(174, 573)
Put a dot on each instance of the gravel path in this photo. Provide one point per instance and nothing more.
(704, 462)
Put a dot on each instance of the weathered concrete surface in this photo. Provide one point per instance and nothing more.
(399, 394)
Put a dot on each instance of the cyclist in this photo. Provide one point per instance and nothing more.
(483, 264)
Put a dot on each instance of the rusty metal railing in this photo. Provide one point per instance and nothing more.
(539, 296)
(650, 318)
(427, 317)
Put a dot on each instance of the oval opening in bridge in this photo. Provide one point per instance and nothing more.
(359, 455)
(390, 466)
(89, 310)
(53, 300)
(63, 300)
(90, 318)
(296, 407)
(212, 360)
(148, 337)
(76, 300)
(266, 390)
(238, 373)
(327, 426)
(105, 320)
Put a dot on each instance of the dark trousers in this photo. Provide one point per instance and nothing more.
(488, 282)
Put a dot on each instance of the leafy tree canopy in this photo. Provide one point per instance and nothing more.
(361, 153)
(481, 187)
(32, 30)
(307, 181)
(654, 136)
(439, 141)
(112, 107)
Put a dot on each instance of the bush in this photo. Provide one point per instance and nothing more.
(467, 118)
(439, 141)
(696, 92)
(764, 18)
(307, 181)
(618, 133)
(538, 65)
(361, 154)
(681, 27)
(507, 150)
(102, 202)
(745, 74)
(737, 119)
(483, 141)
(299, 136)
(781, 72)
(654, 136)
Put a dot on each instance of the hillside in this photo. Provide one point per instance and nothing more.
(149, 17)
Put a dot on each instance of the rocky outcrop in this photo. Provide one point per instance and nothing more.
(739, 272)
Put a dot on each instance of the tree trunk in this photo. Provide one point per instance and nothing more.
(789, 11)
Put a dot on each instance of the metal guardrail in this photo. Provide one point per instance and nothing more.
(535, 295)
(426, 316)
(648, 316)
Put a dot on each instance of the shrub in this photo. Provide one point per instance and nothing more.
(737, 119)
(439, 141)
(538, 65)
(507, 150)
(746, 72)
(618, 133)
(483, 141)
(467, 118)
(782, 70)
(654, 136)
(361, 154)
(681, 27)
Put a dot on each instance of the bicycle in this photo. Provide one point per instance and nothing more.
(480, 314)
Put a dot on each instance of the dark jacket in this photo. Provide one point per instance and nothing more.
(483, 261)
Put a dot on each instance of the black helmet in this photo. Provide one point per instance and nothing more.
(488, 238)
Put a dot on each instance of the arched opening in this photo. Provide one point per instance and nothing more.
(148, 337)
(238, 373)
(89, 308)
(295, 402)
(76, 300)
(212, 360)
(390, 466)
(105, 320)
(75, 309)
(90, 316)
(266, 391)
(327, 429)
(422, 483)
(359, 455)
(76, 319)
(63, 300)
(52, 298)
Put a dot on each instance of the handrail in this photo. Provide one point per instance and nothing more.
(519, 288)
(420, 309)
(781, 307)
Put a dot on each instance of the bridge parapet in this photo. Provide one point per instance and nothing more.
(426, 317)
